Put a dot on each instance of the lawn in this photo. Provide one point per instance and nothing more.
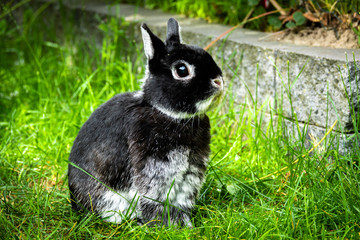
(260, 183)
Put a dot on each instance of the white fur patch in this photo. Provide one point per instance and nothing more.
(174, 114)
(138, 94)
(148, 47)
(116, 206)
(180, 37)
(165, 174)
(204, 105)
(146, 76)
(174, 180)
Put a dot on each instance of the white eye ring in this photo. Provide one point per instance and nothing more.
(190, 70)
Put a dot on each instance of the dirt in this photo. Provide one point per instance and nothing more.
(321, 37)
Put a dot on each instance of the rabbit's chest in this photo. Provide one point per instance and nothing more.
(176, 180)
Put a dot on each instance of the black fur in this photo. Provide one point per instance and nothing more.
(131, 147)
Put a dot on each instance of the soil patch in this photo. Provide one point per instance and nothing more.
(321, 37)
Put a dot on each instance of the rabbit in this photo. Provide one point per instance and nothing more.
(143, 155)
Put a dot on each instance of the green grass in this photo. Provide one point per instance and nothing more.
(53, 76)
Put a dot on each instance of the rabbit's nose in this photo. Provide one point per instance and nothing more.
(218, 82)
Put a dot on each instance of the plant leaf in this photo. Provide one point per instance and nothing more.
(299, 18)
(274, 21)
(290, 24)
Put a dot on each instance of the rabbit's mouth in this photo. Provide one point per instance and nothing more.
(209, 103)
(212, 101)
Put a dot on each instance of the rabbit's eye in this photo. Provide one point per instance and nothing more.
(182, 70)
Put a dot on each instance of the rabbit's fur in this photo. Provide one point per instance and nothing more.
(144, 154)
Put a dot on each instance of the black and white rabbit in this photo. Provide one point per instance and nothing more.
(143, 154)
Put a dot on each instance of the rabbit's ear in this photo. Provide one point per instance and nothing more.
(173, 32)
(152, 44)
